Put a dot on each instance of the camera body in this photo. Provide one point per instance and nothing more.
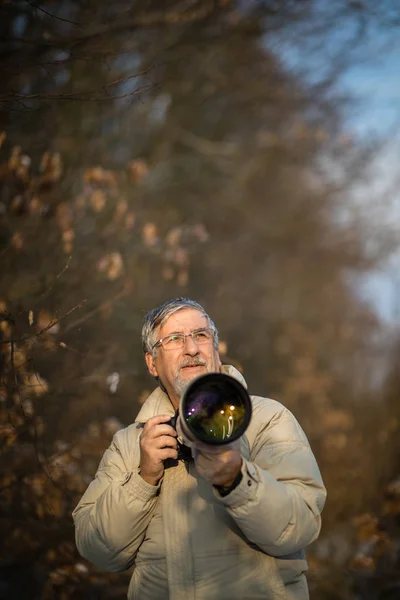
(173, 421)
(184, 452)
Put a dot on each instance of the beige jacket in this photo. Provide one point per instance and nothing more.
(189, 543)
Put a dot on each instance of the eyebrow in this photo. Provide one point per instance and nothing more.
(172, 333)
(181, 332)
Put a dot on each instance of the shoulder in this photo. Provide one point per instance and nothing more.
(266, 407)
(272, 421)
(125, 438)
(127, 434)
(122, 453)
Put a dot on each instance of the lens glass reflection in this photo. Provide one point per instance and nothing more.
(216, 413)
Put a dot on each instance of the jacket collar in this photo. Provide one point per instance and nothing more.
(158, 402)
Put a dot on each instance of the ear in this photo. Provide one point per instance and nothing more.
(150, 364)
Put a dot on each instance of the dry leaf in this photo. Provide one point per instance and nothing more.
(336, 419)
(181, 257)
(17, 356)
(13, 161)
(98, 200)
(112, 425)
(113, 382)
(34, 206)
(115, 266)
(222, 347)
(99, 176)
(150, 234)
(17, 240)
(68, 235)
(121, 208)
(103, 263)
(94, 430)
(27, 407)
(174, 236)
(37, 384)
(168, 273)
(200, 232)
(183, 278)
(137, 170)
(64, 216)
(5, 327)
(130, 221)
(44, 320)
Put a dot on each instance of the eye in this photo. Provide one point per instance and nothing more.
(201, 335)
(175, 337)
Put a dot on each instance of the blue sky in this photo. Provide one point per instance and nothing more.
(373, 83)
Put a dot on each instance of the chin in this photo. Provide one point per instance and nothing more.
(184, 379)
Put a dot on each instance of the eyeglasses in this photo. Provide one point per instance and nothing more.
(174, 341)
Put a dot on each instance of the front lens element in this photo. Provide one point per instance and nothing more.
(216, 409)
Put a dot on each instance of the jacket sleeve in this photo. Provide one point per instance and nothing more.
(279, 500)
(113, 514)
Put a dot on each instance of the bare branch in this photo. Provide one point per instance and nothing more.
(85, 95)
(39, 8)
(98, 309)
(51, 324)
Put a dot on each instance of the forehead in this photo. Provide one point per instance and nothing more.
(184, 321)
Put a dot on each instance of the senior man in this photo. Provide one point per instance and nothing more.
(231, 524)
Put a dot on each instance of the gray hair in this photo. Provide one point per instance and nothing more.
(156, 317)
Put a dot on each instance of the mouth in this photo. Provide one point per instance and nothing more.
(190, 367)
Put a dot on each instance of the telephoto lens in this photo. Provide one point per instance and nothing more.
(215, 409)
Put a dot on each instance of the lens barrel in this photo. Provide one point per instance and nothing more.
(215, 409)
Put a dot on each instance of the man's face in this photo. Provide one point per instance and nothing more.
(178, 367)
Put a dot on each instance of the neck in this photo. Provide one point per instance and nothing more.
(172, 397)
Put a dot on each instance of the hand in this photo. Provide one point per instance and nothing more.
(218, 464)
(157, 443)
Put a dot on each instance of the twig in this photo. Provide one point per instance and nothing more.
(90, 314)
(48, 326)
(39, 8)
(55, 278)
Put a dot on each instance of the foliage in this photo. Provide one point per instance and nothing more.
(229, 182)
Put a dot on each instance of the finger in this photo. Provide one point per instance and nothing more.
(156, 421)
(165, 441)
(168, 453)
(151, 448)
(158, 430)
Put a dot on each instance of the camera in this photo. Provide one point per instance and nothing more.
(215, 409)
(173, 421)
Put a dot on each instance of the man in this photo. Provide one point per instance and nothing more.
(234, 522)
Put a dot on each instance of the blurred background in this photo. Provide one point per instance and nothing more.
(244, 154)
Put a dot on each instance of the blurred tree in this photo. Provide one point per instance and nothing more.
(230, 183)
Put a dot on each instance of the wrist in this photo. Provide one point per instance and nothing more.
(227, 488)
(150, 479)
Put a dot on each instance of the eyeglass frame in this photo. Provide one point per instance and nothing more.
(185, 335)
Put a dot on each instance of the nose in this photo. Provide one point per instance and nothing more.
(190, 347)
